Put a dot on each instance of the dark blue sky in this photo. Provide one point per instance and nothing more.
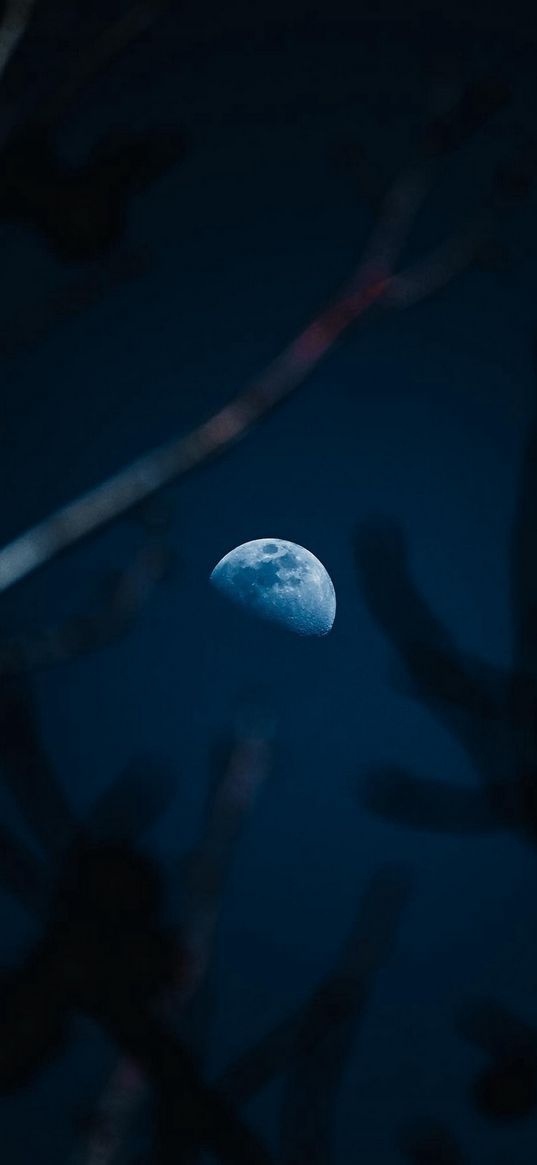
(421, 415)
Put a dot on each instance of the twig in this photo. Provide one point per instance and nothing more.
(17, 16)
(247, 769)
(373, 282)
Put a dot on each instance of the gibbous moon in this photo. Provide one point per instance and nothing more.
(280, 581)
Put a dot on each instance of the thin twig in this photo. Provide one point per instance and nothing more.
(373, 282)
(17, 16)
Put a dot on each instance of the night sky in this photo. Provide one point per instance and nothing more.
(404, 463)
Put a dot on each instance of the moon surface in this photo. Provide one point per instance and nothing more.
(280, 581)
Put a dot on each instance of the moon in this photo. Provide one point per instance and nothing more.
(280, 581)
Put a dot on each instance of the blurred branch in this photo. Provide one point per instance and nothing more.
(17, 14)
(27, 769)
(432, 1145)
(37, 317)
(229, 805)
(326, 1035)
(340, 998)
(126, 596)
(490, 710)
(113, 40)
(373, 282)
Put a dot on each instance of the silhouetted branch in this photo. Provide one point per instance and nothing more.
(327, 1031)
(371, 283)
(506, 1088)
(27, 770)
(490, 710)
(524, 554)
(188, 1001)
(125, 597)
(435, 806)
(430, 1146)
